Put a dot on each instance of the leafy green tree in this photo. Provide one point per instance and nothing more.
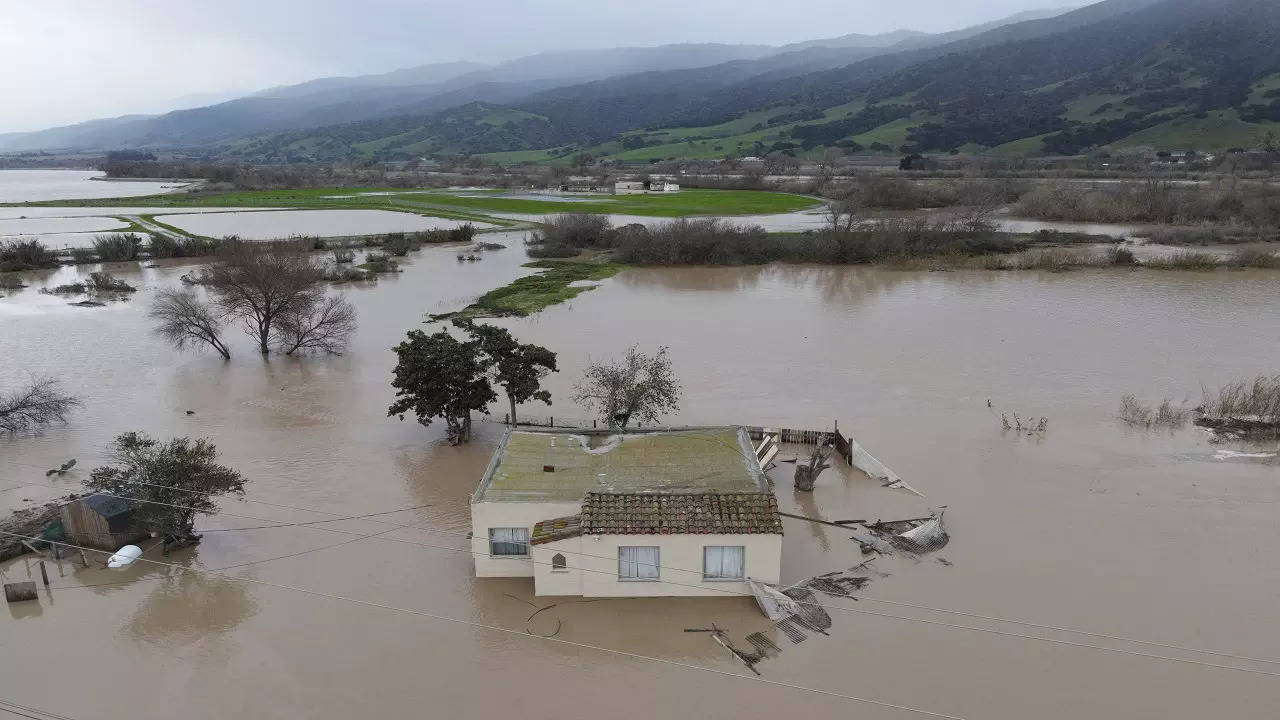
(517, 367)
(173, 482)
(439, 376)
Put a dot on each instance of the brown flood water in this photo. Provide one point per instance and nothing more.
(1092, 526)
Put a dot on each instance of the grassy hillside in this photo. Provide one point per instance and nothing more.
(1184, 74)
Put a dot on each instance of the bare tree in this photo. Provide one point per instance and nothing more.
(38, 404)
(183, 318)
(260, 282)
(842, 213)
(807, 473)
(325, 325)
(641, 387)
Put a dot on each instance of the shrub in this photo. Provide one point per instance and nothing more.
(342, 256)
(1257, 401)
(464, 233)
(576, 230)
(164, 246)
(81, 256)
(1122, 256)
(117, 248)
(380, 263)
(106, 282)
(397, 244)
(1185, 261)
(68, 289)
(11, 282)
(1254, 258)
(26, 255)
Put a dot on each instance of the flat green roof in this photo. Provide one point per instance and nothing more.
(678, 460)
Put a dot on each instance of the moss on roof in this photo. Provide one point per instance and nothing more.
(685, 460)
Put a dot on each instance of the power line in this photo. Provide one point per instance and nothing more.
(819, 605)
(497, 628)
(30, 709)
(859, 611)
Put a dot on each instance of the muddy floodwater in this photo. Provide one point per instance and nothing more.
(37, 185)
(266, 224)
(1165, 536)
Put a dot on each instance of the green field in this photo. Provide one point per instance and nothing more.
(473, 205)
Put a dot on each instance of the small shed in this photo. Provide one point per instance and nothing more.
(628, 187)
(100, 521)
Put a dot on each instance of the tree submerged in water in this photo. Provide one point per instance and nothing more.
(637, 387)
(170, 483)
(440, 376)
(41, 402)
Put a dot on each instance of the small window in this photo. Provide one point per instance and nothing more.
(724, 562)
(638, 563)
(558, 562)
(509, 541)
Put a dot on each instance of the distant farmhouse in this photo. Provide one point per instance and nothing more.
(621, 187)
(636, 513)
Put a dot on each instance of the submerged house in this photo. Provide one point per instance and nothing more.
(636, 513)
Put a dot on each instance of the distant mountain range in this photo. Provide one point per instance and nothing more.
(1174, 74)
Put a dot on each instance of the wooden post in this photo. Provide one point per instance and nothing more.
(44, 574)
(83, 561)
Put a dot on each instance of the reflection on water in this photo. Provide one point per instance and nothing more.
(188, 608)
(36, 185)
(1092, 525)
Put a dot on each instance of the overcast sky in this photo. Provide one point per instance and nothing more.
(73, 60)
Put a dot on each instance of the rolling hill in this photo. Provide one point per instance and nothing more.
(1177, 74)
(429, 89)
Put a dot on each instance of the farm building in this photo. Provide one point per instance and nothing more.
(661, 186)
(100, 521)
(627, 514)
(628, 187)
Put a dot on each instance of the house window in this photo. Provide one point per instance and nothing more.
(724, 562)
(638, 563)
(558, 562)
(509, 541)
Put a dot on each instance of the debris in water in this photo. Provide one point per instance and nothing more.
(20, 591)
(792, 633)
(929, 535)
(62, 470)
(774, 604)
(87, 303)
(125, 556)
(945, 561)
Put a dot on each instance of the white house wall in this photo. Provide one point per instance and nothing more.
(485, 515)
(592, 565)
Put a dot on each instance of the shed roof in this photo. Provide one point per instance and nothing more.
(681, 460)
(556, 529)
(108, 506)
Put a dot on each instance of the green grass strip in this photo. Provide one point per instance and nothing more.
(531, 293)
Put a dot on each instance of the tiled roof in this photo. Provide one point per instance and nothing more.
(680, 514)
(556, 529)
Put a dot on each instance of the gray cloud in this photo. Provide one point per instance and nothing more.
(71, 60)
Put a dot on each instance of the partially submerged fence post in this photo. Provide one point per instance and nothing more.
(44, 574)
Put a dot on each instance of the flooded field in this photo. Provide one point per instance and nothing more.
(1158, 536)
(38, 185)
(269, 224)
